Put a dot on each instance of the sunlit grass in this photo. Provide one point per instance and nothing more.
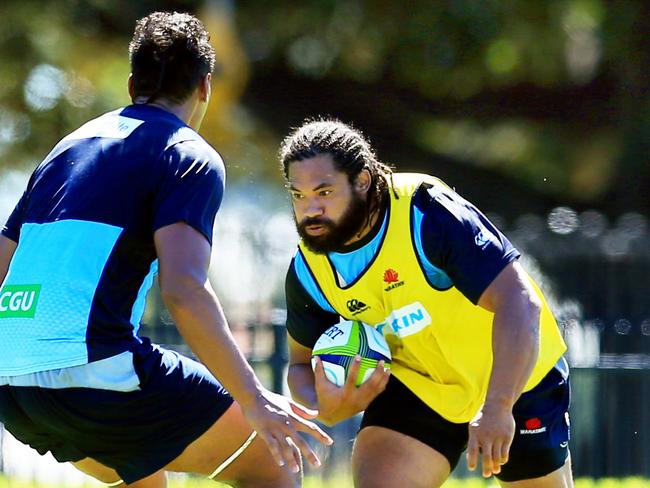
(345, 482)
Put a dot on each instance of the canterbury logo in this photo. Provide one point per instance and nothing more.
(356, 306)
(482, 239)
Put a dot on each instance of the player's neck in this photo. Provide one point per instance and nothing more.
(370, 224)
(365, 230)
(184, 111)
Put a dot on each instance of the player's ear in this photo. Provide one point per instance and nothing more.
(363, 180)
(205, 88)
(131, 85)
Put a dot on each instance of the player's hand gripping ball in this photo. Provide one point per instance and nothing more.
(339, 344)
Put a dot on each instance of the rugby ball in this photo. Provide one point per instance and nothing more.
(339, 344)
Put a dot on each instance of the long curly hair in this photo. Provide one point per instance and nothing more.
(350, 151)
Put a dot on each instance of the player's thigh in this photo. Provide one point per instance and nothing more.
(385, 458)
(407, 434)
(110, 477)
(560, 478)
(253, 467)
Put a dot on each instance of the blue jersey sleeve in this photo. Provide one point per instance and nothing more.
(306, 320)
(192, 187)
(460, 240)
(11, 229)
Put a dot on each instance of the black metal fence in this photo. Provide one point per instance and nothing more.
(601, 272)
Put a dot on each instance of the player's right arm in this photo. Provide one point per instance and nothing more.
(305, 322)
(184, 256)
(300, 376)
(334, 404)
(191, 180)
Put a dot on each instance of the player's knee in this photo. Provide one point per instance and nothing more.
(256, 468)
(257, 476)
(281, 479)
(98, 471)
(378, 478)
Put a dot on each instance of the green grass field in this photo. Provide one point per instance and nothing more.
(344, 482)
(457, 483)
(478, 483)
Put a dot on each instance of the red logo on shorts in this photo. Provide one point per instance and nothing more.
(391, 276)
(534, 423)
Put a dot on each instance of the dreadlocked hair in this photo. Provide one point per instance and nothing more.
(350, 151)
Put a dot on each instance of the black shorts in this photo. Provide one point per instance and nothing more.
(540, 444)
(136, 433)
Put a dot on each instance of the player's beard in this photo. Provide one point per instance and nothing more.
(338, 233)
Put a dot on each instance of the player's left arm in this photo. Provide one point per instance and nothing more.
(482, 264)
(7, 249)
(10, 233)
(515, 348)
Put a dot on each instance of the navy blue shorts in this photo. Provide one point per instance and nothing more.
(136, 433)
(540, 444)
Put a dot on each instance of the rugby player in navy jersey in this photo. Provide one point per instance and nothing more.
(477, 357)
(127, 196)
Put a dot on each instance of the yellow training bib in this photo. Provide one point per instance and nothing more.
(441, 342)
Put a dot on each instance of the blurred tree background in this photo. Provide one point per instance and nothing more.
(520, 105)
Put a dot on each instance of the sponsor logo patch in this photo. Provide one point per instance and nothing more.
(533, 426)
(19, 300)
(391, 278)
(405, 321)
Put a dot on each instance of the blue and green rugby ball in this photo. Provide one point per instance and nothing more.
(339, 344)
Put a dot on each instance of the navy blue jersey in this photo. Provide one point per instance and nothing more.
(76, 286)
(455, 243)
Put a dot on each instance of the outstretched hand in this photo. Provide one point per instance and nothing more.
(490, 437)
(278, 420)
(339, 403)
